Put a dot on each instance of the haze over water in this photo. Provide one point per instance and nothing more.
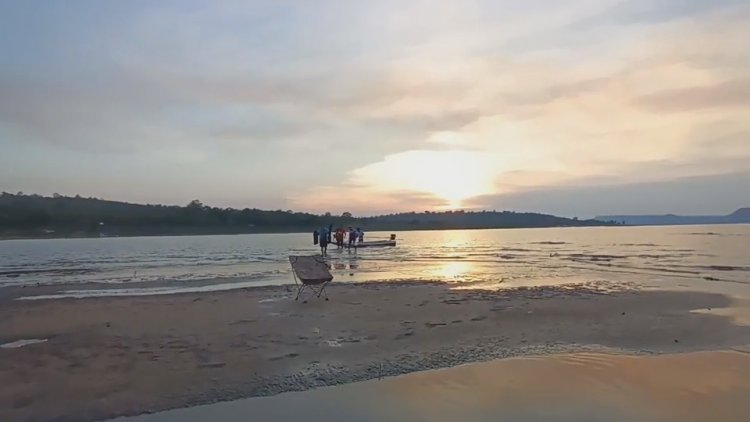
(705, 257)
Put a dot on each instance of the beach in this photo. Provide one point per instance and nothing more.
(118, 356)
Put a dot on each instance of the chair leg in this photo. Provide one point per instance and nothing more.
(322, 291)
(297, 284)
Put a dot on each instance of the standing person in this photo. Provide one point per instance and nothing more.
(323, 239)
(340, 238)
(352, 237)
(361, 235)
(330, 232)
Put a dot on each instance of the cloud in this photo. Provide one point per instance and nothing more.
(654, 12)
(715, 194)
(361, 200)
(729, 94)
(272, 104)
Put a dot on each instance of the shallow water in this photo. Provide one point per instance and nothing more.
(576, 387)
(716, 257)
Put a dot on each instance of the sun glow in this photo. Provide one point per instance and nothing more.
(450, 175)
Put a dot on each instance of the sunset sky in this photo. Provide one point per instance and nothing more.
(579, 107)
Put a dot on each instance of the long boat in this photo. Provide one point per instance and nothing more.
(376, 243)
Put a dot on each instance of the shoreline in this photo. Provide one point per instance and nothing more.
(118, 356)
(376, 230)
(304, 231)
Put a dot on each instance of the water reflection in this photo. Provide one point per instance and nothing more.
(738, 312)
(712, 258)
(577, 387)
(455, 239)
(452, 270)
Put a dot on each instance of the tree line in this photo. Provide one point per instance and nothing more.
(24, 215)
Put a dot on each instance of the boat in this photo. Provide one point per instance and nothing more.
(376, 243)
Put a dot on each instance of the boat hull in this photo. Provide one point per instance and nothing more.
(377, 244)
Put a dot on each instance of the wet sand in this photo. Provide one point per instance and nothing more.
(108, 357)
(698, 386)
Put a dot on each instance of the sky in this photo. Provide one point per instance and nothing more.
(575, 108)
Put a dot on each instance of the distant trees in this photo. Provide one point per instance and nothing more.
(33, 215)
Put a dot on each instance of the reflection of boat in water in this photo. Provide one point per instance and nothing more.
(376, 243)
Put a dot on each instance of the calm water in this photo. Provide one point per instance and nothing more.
(716, 257)
(577, 387)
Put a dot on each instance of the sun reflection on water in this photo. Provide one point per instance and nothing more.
(453, 269)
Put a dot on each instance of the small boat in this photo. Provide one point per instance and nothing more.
(376, 243)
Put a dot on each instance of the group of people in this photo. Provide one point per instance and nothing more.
(325, 235)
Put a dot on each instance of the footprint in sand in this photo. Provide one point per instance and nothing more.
(213, 364)
(288, 355)
(242, 321)
(22, 402)
(404, 335)
(333, 343)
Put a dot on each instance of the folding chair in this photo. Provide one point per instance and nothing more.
(310, 272)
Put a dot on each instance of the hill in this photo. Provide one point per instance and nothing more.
(25, 216)
(742, 215)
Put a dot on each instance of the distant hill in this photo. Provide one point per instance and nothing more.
(742, 215)
(26, 216)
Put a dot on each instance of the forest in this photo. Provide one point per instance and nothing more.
(35, 216)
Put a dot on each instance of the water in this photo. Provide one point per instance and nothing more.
(577, 387)
(716, 257)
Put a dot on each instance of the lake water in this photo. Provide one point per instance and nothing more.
(575, 387)
(711, 257)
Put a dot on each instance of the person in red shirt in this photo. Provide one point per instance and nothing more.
(340, 238)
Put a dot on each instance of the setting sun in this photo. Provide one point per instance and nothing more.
(450, 175)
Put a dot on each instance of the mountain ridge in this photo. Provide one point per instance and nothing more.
(740, 216)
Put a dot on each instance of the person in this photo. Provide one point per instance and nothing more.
(323, 237)
(340, 238)
(352, 238)
(330, 232)
(361, 235)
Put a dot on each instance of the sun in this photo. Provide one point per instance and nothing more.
(452, 175)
